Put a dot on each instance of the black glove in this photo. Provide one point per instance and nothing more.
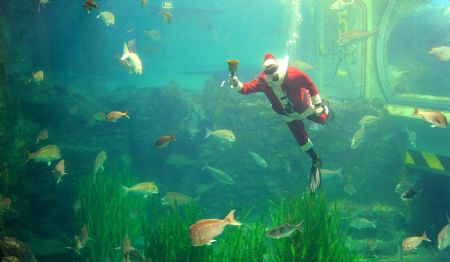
(315, 176)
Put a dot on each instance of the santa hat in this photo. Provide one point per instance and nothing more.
(269, 60)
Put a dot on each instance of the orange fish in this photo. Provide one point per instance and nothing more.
(116, 115)
(163, 141)
(5, 203)
(413, 242)
(204, 231)
(43, 135)
(437, 119)
(89, 5)
(59, 171)
(167, 16)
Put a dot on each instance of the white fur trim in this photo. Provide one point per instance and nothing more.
(295, 116)
(238, 87)
(281, 71)
(316, 99)
(269, 61)
(307, 146)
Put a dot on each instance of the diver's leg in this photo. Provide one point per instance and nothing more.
(298, 130)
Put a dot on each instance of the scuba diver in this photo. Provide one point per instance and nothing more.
(294, 96)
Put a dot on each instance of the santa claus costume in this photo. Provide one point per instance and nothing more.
(294, 96)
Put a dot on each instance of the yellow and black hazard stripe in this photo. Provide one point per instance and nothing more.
(428, 160)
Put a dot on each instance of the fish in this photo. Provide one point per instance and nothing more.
(99, 116)
(107, 17)
(5, 203)
(99, 161)
(412, 137)
(125, 248)
(443, 240)
(47, 154)
(220, 175)
(221, 134)
(59, 171)
(302, 65)
(176, 199)
(116, 115)
(353, 37)
(84, 235)
(145, 188)
(180, 160)
(144, 3)
(409, 194)
(328, 174)
(362, 223)
(368, 120)
(285, 230)
(76, 206)
(76, 245)
(167, 16)
(437, 119)
(350, 189)
(190, 125)
(135, 256)
(154, 34)
(163, 141)
(258, 159)
(132, 59)
(37, 77)
(42, 135)
(441, 52)
(42, 3)
(88, 5)
(204, 231)
(341, 4)
(358, 138)
(413, 242)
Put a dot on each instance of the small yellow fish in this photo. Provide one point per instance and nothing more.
(45, 154)
(222, 134)
(144, 3)
(358, 138)
(37, 77)
(99, 161)
(131, 60)
(174, 198)
(413, 242)
(441, 52)
(167, 16)
(116, 115)
(107, 17)
(145, 188)
(43, 135)
(154, 34)
(368, 120)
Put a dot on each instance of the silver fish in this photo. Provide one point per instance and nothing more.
(444, 236)
(329, 174)
(361, 223)
(220, 175)
(285, 230)
(258, 159)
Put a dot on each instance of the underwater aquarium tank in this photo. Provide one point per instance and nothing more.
(213, 130)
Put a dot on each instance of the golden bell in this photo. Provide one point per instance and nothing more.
(233, 65)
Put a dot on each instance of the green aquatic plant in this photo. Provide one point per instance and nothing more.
(167, 234)
(109, 214)
(321, 239)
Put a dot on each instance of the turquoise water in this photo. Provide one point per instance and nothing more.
(181, 92)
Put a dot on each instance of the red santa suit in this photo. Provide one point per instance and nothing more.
(293, 96)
